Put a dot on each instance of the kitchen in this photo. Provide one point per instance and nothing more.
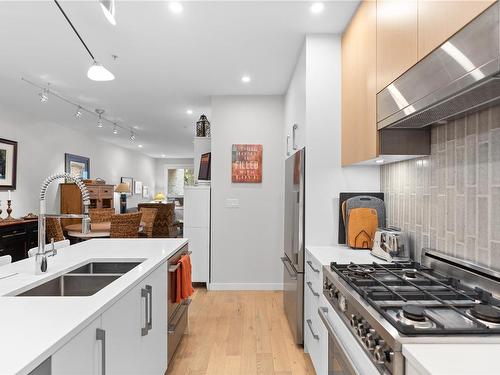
(383, 109)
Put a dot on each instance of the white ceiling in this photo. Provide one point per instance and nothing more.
(166, 63)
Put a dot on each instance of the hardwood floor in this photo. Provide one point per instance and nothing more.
(239, 333)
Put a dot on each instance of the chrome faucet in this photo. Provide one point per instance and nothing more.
(42, 254)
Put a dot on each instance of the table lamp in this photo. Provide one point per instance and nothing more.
(123, 189)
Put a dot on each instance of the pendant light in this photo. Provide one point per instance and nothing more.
(97, 72)
(108, 8)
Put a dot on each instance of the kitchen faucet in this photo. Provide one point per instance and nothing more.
(41, 255)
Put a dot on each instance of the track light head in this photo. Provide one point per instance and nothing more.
(132, 136)
(115, 129)
(43, 96)
(99, 120)
(78, 113)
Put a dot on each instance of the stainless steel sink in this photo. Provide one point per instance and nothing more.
(105, 267)
(86, 280)
(71, 285)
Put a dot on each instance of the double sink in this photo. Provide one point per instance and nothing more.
(83, 281)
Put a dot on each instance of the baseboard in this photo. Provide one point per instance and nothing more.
(245, 286)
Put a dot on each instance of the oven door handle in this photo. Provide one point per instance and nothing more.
(331, 331)
(174, 267)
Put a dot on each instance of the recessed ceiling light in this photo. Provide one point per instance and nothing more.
(189, 111)
(246, 79)
(163, 155)
(317, 8)
(175, 7)
(380, 161)
(140, 146)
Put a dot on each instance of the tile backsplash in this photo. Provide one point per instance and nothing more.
(450, 200)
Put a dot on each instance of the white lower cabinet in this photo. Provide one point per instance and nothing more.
(80, 355)
(128, 338)
(315, 333)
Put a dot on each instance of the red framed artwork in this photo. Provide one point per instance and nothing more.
(246, 164)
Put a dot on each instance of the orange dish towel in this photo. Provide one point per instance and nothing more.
(187, 289)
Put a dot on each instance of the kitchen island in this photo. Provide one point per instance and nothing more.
(36, 328)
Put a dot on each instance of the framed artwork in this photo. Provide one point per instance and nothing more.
(77, 166)
(145, 191)
(137, 187)
(8, 164)
(246, 164)
(130, 182)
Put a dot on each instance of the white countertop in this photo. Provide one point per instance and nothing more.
(454, 359)
(33, 328)
(341, 254)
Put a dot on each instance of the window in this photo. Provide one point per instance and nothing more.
(177, 178)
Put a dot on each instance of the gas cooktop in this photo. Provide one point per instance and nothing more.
(441, 299)
(417, 300)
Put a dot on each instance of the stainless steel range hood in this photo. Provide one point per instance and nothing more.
(460, 76)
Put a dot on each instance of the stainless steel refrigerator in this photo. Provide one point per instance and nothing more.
(293, 259)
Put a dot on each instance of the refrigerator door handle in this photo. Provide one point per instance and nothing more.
(292, 275)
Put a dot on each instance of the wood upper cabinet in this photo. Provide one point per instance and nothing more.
(396, 39)
(359, 89)
(438, 20)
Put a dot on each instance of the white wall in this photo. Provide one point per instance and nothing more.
(325, 178)
(247, 242)
(161, 167)
(41, 149)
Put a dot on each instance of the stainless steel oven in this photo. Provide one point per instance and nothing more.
(345, 356)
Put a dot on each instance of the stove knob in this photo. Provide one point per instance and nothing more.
(333, 292)
(361, 330)
(354, 321)
(370, 341)
(380, 355)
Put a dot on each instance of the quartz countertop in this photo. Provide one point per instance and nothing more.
(454, 359)
(340, 254)
(34, 328)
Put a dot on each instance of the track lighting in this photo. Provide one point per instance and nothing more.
(99, 120)
(108, 8)
(45, 91)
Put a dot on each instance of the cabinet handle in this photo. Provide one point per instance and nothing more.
(149, 289)
(312, 267)
(310, 324)
(315, 294)
(100, 335)
(144, 294)
(294, 130)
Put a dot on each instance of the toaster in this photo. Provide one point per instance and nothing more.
(391, 244)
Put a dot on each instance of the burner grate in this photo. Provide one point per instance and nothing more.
(393, 286)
